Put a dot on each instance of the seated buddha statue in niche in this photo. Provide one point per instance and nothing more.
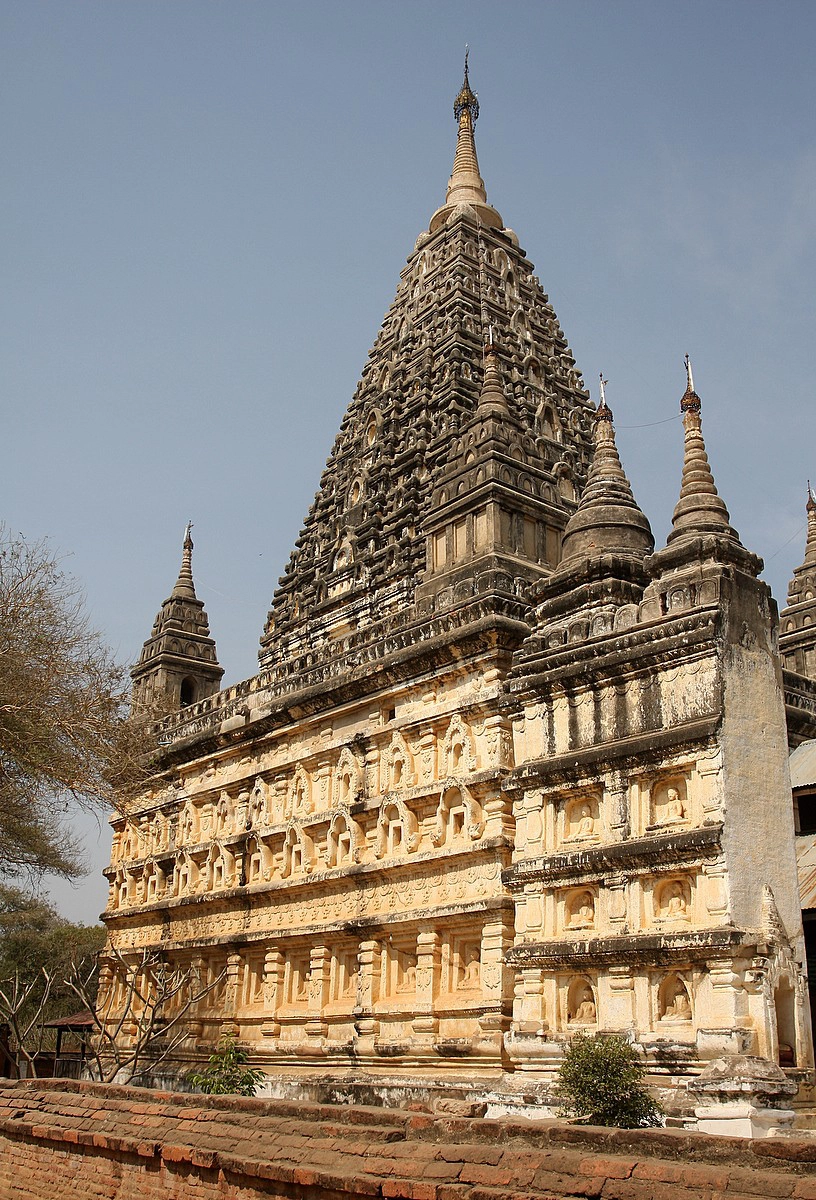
(581, 823)
(582, 911)
(670, 808)
(585, 1012)
(678, 1005)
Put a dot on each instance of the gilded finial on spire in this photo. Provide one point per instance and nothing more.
(690, 401)
(188, 540)
(466, 189)
(466, 100)
(811, 500)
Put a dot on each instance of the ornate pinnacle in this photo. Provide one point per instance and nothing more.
(690, 401)
(185, 588)
(466, 186)
(604, 412)
(810, 544)
(608, 519)
(492, 395)
(700, 509)
(466, 100)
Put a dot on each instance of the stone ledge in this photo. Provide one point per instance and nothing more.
(630, 854)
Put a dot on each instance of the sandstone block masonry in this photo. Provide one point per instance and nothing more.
(61, 1139)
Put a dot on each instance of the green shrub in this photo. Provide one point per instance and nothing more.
(601, 1083)
(226, 1073)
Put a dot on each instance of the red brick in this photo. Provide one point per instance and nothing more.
(569, 1185)
(439, 1170)
(305, 1177)
(204, 1158)
(418, 1123)
(687, 1174)
(761, 1183)
(176, 1154)
(483, 1173)
(468, 1154)
(612, 1168)
(787, 1148)
(736, 1194)
(648, 1189)
(413, 1150)
(405, 1189)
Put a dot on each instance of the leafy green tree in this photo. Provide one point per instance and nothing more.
(226, 1073)
(601, 1083)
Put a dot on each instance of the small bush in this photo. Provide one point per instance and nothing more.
(226, 1073)
(601, 1083)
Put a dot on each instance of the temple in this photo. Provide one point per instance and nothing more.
(506, 774)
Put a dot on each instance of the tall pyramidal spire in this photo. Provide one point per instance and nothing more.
(428, 495)
(178, 664)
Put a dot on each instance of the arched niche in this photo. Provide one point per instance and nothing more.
(258, 860)
(668, 802)
(784, 1003)
(674, 999)
(220, 868)
(582, 1002)
(188, 824)
(580, 908)
(224, 814)
(397, 830)
(458, 754)
(298, 852)
(582, 818)
(397, 764)
(345, 840)
(348, 777)
(158, 831)
(153, 882)
(258, 814)
(343, 556)
(185, 874)
(300, 793)
(458, 818)
(672, 899)
(129, 842)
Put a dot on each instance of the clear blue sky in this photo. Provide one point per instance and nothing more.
(206, 207)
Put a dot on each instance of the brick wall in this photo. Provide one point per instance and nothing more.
(60, 1139)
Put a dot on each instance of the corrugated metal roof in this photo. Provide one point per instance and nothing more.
(803, 765)
(806, 868)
